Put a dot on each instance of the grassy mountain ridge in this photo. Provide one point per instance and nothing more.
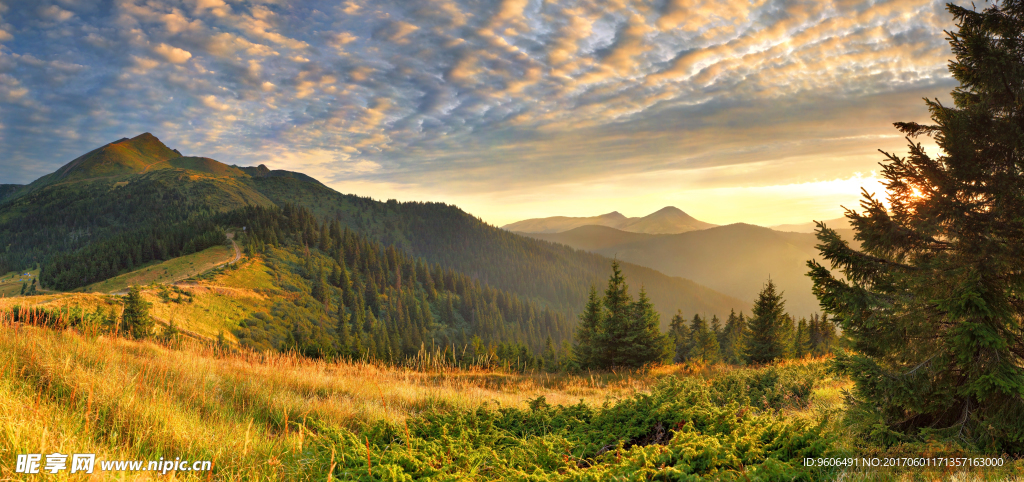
(264, 171)
(69, 216)
(205, 165)
(119, 158)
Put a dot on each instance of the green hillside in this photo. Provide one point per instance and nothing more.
(136, 201)
(8, 189)
(203, 165)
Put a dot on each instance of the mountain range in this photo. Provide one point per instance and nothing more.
(737, 259)
(668, 220)
(140, 198)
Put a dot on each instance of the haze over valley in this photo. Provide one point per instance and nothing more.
(736, 259)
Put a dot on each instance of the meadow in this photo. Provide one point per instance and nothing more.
(273, 416)
(169, 271)
(11, 283)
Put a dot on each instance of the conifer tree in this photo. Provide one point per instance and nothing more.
(171, 332)
(646, 344)
(135, 320)
(585, 350)
(704, 343)
(932, 302)
(769, 327)
(549, 356)
(801, 339)
(343, 331)
(716, 327)
(680, 335)
(735, 336)
(621, 332)
(615, 327)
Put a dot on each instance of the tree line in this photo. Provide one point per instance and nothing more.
(616, 331)
(127, 251)
(65, 218)
(770, 334)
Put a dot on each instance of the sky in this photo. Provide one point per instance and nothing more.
(757, 111)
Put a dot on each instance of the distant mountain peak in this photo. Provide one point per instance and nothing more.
(667, 220)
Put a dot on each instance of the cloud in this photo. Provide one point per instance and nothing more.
(212, 102)
(344, 38)
(56, 13)
(216, 8)
(477, 100)
(173, 55)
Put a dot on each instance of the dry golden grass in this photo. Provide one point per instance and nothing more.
(254, 413)
(66, 392)
(59, 301)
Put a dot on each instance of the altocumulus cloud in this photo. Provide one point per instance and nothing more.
(466, 100)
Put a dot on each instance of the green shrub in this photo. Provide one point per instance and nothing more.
(771, 387)
(685, 429)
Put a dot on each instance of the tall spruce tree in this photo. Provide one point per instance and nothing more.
(716, 327)
(646, 344)
(769, 328)
(135, 320)
(616, 326)
(344, 332)
(933, 301)
(616, 331)
(585, 350)
(802, 339)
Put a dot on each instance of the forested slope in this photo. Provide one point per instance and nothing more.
(347, 295)
(131, 202)
(560, 276)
